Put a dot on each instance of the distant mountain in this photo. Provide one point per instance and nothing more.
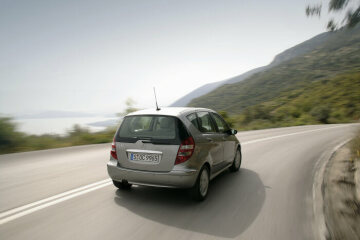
(288, 54)
(320, 58)
(185, 100)
(182, 102)
(302, 48)
(106, 123)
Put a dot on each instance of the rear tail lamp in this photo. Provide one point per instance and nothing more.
(185, 151)
(113, 150)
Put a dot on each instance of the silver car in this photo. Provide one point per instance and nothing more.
(173, 147)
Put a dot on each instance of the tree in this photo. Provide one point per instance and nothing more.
(9, 137)
(129, 107)
(352, 17)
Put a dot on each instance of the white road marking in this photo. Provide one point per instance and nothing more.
(47, 204)
(18, 209)
(18, 212)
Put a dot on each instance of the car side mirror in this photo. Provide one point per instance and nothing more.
(231, 131)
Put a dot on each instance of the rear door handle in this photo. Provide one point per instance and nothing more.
(209, 139)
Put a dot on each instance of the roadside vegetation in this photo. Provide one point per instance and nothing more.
(334, 100)
(12, 140)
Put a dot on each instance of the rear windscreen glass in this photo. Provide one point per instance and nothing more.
(155, 128)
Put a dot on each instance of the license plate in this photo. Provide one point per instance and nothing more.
(144, 157)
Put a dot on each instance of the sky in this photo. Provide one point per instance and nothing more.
(91, 56)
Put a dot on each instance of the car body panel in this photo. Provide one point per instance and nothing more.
(176, 178)
(230, 147)
(167, 153)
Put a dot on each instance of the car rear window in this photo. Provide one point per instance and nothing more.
(154, 128)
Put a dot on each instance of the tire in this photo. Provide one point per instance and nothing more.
(201, 188)
(123, 185)
(235, 166)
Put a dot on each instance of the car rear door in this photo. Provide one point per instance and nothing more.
(149, 142)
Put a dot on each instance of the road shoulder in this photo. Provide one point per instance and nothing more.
(340, 190)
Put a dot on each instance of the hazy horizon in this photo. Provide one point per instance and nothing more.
(90, 57)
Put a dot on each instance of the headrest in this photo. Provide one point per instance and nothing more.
(166, 122)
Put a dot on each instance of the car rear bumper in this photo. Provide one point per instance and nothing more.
(177, 178)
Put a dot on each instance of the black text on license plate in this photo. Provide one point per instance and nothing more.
(141, 157)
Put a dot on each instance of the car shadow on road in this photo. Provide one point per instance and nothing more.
(233, 203)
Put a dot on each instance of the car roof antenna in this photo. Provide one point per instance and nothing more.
(157, 107)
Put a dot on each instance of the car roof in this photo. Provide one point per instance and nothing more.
(169, 111)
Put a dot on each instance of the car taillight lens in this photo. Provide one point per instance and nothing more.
(113, 150)
(185, 151)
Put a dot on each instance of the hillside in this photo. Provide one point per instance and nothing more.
(288, 54)
(330, 54)
(185, 100)
(333, 100)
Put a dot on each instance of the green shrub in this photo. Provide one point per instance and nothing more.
(321, 113)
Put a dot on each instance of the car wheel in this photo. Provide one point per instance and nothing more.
(122, 185)
(237, 161)
(201, 188)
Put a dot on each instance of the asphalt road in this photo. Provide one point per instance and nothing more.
(65, 193)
